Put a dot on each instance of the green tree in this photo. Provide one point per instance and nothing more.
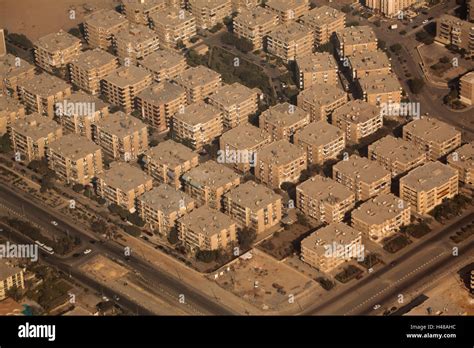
(173, 236)
(246, 237)
(5, 143)
(416, 85)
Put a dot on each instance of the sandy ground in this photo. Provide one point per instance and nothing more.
(36, 18)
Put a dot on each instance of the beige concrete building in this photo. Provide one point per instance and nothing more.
(463, 161)
(10, 111)
(280, 162)
(164, 64)
(396, 155)
(236, 102)
(89, 68)
(10, 277)
(121, 136)
(389, 8)
(380, 89)
(56, 50)
(75, 159)
(124, 84)
(3, 47)
(167, 161)
(381, 216)
(209, 12)
(101, 26)
(159, 102)
(41, 93)
(255, 25)
(363, 177)
(162, 206)
(140, 11)
(321, 141)
(242, 5)
(199, 82)
(135, 42)
(198, 125)
(14, 70)
(321, 101)
(122, 184)
(288, 10)
(434, 137)
(173, 26)
(324, 199)
(355, 39)
(208, 182)
(240, 145)
(80, 112)
(282, 121)
(427, 186)
(253, 206)
(451, 30)
(368, 63)
(316, 68)
(207, 229)
(331, 246)
(357, 119)
(324, 21)
(290, 41)
(31, 136)
(466, 88)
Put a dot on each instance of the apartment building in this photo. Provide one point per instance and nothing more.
(10, 277)
(357, 119)
(288, 10)
(463, 161)
(381, 216)
(159, 102)
(426, 187)
(324, 21)
(31, 136)
(140, 11)
(209, 12)
(242, 5)
(280, 162)
(199, 82)
(89, 68)
(14, 70)
(363, 177)
(10, 111)
(101, 26)
(240, 145)
(396, 155)
(3, 47)
(122, 184)
(331, 246)
(124, 84)
(253, 206)
(321, 141)
(451, 30)
(434, 137)
(324, 199)
(470, 10)
(389, 8)
(80, 112)
(283, 120)
(290, 41)
(41, 92)
(164, 64)
(368, 63)
(162, 206)
(199, 124)
(380, 89)
(207, 229)
(321, 101)
(135, 42)
(121, 136)
(174, 26)
(466, 88)
(75, 159)
(55, 51)
(316, 68)
(355, 39)
(255, 25)
(236, 102)
(167, 161)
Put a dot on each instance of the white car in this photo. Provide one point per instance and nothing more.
(377, 306)
(87, 251)
(54, 223)
(425, 21)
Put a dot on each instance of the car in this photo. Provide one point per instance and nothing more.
(393, 263)
(76, 255)
(105, 298)
(425, 21)
(54, 223)
(87, 251)
(377, 306)
(116, 298)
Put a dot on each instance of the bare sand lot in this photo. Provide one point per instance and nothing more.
(36, 18)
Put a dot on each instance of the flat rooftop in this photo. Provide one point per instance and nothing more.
(74, 147)
(9, 68)
(361, 169)
(290, 31)
(45, 85)
(166, 199)
(161, 60)
(197, 113)
(357, 35)
(210, 174)
(144, 6)
(162, 93)
(36, 126)
(135, 34)
(8, 105)
(469, 77)
(319, 133)
(206, 221)
(317, 62)
(325, 190)
(7, 270)
(125, 76)
(285, 5)
(82, 97)
(124, 176)
(57, 41)
(323, 95)
(171, 153)
(171, 17)
(253, 196)
(465, 157)
(322, 15)
(280, 153)
(396, 149)
(431, 129)
(121, 124)
(233, 94)
(338, 232)
(378, 210)
(380, 84)
(106, 19)
(284, 114)
(91, 59)
(356, 111)
(255, 17)
(429, 176)
(369, 60)
(245, 136)
(197, 76)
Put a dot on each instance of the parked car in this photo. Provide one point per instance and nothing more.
(87, 251)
